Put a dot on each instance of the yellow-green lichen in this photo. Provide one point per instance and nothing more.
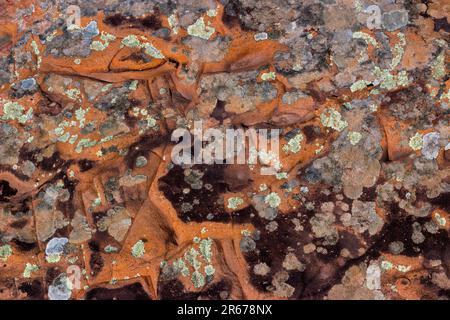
(234, 202)
(268, 76)
(132, 41)
(398, 50)
(416, 141)
(173, 22)
(98, 46)
(359, 85)
(29, 268)
(200, 29)
(438, 67)
(15, 111)
(73, 94)
(332, 119)
(366, 37)
(294, 144)
(211, 13)
(354, 137)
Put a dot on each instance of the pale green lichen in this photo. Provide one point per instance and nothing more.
(268, 76)
(200, 29)
(181, 267)
(96, 202)
(37, 52)
(98, 46)
(80, 115)
(106, 87)
(15, 111)
(132, 41)
(211, 12)
(281, 175)
(234, 202)
(440, 220)
(73, 94)
(359, 85)
(273, 200)
(198, 279)
(5, 252)
(152, 51)
(209, 270)
(53, 258)
(133, 85)
(29, 268)
(366, 37)
(416, 141)
(138, 249)
(398, 51)
(84, 143)
(389, 81)
(205, 249)
(107, 37)
(173, 23)
(64, 138)
(402, 78)
(354, 137)
(294, 144)
(111, 249)
(438, 67)
(333, 119)
(386, 265)
(191, 257)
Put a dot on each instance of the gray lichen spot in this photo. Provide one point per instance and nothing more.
(247, 244)
(56, 246)
(60, 289)
(430, 148)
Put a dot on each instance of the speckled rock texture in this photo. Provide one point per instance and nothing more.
(92, 206)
